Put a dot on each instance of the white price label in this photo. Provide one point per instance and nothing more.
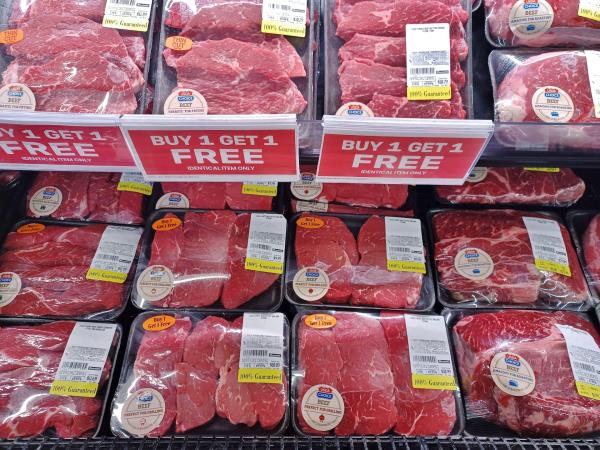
(131, 15)
(82, 362)
(428, 61)
(404, 245)
(261, 352)
(430, 358)
(584, 356)
(115, 254)
(266, 243)
(134, 182)
(590, 9)
(287, 17)
(592, 58)
(548, 245)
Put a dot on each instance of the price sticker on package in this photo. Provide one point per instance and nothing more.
(548, 245)
(584, 356)
(115, 254)
(429, 350)
(83, 360)
(428, 62)
(265, 188)
(592, 58)
(590, 9)
(287, 17)
(132, 15)
(261, 352)
(404, 245)
(134, 182)
(266, 243)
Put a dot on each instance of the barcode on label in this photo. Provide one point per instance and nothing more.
(256, 352)
(400, 249)
(437, 58)
(260, 246)
(425, 358)
(278, 6)
(75, 365)
(108, 257)
(123, 2)
(422, 70)
(584, 366)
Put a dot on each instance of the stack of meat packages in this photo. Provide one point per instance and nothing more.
(357, 268)
(232, 64)
(206, 256)
(30, 357)
(197, 378)
(373, 57)
(71, 62)
(366, 359)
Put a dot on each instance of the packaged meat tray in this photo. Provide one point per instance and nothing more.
(358, 261)
(88, 196)
(556, 187)
(215, 60)
(360, 374)
(211, 260)
(67, 269)
(196, 374)
(59, 57)
(585, 229)
(543, 23)
(348, 198)
(549, 87)
(255, 196)
(527, 373)
(398, 58)
(41, 363)
(516, 259)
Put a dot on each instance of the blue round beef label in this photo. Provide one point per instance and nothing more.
(155, 283)
(185, 101)
(311, 284)
(142, 412)
(45, 201)
(530, 18)
(473, 263)
(512, 374)
(10, 286)
(355, 110)
(173, 200)
(552, 104)
(322, 407)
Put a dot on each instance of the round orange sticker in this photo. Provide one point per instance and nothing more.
(310, 222)
(320, 321)
(11, 36)
(158, 323)
(29, 228)
(166, 224)
(178, 43)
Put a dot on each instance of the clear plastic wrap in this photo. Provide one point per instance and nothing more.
(515, 186)
(543, 23)
(517, 374)
(69, 61)
(196, 260)
(360, 362)
(31, 353)
(486, 258)
(585, 229)
(7, 177)
(231, 64)
(46, 268)
(189, 195)
(87, 196)
(342, 260)
(365, 56)
(191, 365)
(550, 87)
(348, 198)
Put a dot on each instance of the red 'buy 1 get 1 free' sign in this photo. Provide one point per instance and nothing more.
(201, 148)
(55, 141)
(401, 150)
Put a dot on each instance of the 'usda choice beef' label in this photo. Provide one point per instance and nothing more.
(10, 286)
(477, 175)
(474, 263)
(307, 188)
(16, 97)
(173, 200)
(530, 18)
(311, 284)
(552, 104)
(45, 201)
(512, 374)
(322, 407)
(143, 412)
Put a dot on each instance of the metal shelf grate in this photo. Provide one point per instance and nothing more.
(295, 443)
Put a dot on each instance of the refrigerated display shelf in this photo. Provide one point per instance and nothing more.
(295, 443)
